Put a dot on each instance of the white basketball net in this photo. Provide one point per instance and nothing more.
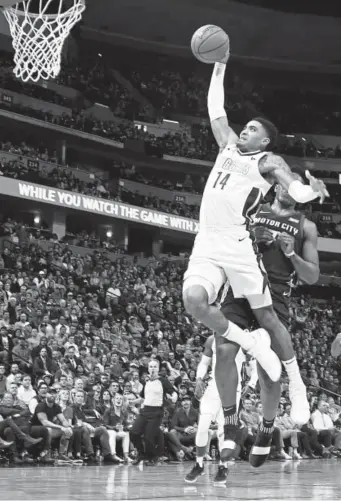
(38, 38)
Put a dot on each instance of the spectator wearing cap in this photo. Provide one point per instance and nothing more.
(47, 414)
(21, 354)
(185, 422)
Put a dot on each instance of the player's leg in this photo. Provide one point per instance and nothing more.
(249, 280)
(222, 472)
(202, 283)
(281, 341)
(226, 375)
(270, 394)
(201, 439)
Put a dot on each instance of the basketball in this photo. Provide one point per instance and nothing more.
(210, 43)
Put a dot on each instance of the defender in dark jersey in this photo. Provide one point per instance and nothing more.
(288, 243)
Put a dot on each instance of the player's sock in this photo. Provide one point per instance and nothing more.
(291, 367)
(231, 432)
(230, 416)
(261, 449)
(200, 461)
(239, 336)
(300, 409)
(267, 426)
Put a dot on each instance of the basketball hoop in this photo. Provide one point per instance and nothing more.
(38, 38)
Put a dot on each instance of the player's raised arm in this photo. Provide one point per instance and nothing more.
(280, 172)
(215, 102)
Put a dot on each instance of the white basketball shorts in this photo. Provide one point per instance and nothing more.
(217, 259)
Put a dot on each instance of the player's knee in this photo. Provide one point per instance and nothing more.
(195, 300)
(267, 318)
(226, 353)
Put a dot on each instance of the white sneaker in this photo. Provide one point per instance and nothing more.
(300, 409)
(265, 356)
(296, 455)
(284, 455)
(207, 457)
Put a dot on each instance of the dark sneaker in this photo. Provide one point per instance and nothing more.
(194, 474)
(261, 448)
(27, 459)
(63, 458)
(45, 459)
(16, 460)
(110, 459)
(221, 475)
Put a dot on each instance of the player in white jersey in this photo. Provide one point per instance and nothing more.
(211, 410)
(224, 252)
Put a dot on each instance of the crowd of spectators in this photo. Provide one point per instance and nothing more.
(76, 334)
(180, 88)
(67, 178)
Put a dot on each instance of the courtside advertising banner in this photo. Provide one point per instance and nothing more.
(77, 201)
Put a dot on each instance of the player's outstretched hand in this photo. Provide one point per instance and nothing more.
(318, 186)
(200, 388)
(263, 235)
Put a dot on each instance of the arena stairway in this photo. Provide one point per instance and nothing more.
(136, 94)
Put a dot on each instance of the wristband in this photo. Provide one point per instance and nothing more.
(292, 253)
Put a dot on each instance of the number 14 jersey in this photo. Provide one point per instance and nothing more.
(233, 192)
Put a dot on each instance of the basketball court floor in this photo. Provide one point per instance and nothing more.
(280, 481)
